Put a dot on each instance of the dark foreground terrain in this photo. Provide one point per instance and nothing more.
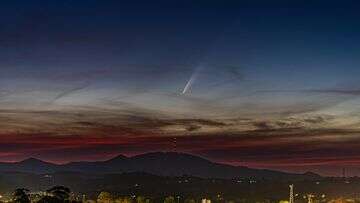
(157, 175)
(129, 184)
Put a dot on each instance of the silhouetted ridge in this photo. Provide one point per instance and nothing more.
(156, 163)
(32, 160)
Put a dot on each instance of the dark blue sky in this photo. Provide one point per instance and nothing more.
(177, 32)
(110, 69)
(306, 42)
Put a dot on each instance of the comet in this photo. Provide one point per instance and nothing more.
(192, 79)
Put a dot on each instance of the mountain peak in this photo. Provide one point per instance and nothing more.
(32, 160)
(119, 157)
(171, 156)
(311, 174)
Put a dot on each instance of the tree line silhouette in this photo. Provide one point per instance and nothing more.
(56, 194)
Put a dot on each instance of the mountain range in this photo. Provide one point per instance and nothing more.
(156, 163)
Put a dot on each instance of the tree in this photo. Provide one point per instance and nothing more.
(190, 201)
(140, 199)
(127, 200)
(104, 197)
(62, 193)
(123, 200)
(20, 195)
(49, 199)
(169, 199)
(118, 200)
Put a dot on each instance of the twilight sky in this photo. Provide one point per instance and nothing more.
(267, 85)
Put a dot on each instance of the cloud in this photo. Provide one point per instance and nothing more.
(296, 122)
(70, 91)
(101, 121)
(351, 92)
